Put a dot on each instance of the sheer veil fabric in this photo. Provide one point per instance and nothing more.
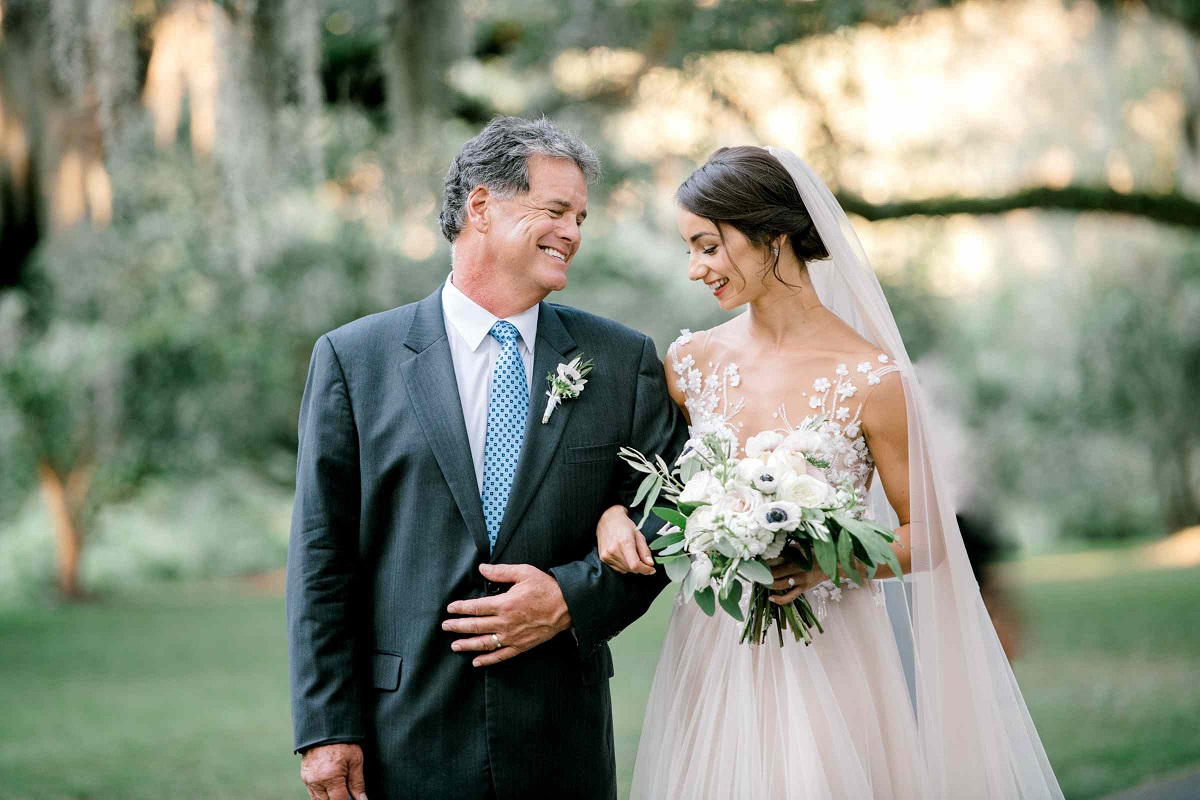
(830, 717)
(975, 731)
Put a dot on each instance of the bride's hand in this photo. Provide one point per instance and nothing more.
(802, 580)
(621, 545)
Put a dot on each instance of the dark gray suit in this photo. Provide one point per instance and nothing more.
(388, 529)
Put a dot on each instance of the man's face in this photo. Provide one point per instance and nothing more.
(532, 238)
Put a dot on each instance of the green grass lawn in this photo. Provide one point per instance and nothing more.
(181, 692)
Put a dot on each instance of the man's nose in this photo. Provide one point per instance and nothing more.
(570, 231)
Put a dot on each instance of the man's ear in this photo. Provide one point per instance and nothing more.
(479, 203)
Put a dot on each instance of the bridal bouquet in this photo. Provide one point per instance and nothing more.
(734, 515)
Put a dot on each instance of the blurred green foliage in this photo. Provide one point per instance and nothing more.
(162, 355)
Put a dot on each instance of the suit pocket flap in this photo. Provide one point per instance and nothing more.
(386, 671)
(592, 452)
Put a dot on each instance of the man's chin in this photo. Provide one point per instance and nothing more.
(553, 281)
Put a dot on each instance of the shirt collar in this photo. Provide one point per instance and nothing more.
(474, 322)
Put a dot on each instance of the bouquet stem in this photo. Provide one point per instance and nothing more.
(797, 616)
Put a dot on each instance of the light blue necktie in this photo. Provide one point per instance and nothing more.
(508, 406)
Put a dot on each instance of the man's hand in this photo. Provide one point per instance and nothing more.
(531, 612)
(334, 772)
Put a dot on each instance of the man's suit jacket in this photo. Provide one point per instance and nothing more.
(388, 529)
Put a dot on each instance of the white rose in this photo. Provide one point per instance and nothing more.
(701, 530)
(804, 490)
(784, 461)
(807, 442)
(780, 515)
(702, 568)
(736, 501)
(761, 445)
(702, 488)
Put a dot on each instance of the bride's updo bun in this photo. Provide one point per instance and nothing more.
(748, 188)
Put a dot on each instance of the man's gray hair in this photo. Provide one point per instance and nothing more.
(498, 158)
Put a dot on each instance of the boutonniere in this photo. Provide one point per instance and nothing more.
(567, 384)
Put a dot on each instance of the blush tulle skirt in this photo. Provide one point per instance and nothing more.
(826, 721)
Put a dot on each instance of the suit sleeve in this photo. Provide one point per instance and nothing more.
(601, 600)
(322, 558)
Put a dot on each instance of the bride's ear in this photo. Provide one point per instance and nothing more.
(777, 246)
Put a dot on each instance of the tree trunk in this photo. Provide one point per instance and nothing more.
(68, 531)
(1173, 472)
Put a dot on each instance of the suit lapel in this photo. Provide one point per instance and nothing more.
(554, 344)
(433, 391)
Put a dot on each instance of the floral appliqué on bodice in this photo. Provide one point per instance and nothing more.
(833, 398)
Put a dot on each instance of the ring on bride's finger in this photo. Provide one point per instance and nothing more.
(791, 583)
(496, 639)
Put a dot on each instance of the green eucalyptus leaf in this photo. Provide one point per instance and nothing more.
(706, 600)
(666, 540)
(730, 599)
(757, 572)
(672, 516)
(677, 567)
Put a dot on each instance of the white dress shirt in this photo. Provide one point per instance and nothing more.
(474, 352)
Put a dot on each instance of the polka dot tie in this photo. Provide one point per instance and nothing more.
(508, 406)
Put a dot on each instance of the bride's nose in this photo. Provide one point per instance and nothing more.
(696, 270)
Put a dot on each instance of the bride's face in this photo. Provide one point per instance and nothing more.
(723, 265)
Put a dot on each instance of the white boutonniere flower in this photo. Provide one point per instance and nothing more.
(567, 384)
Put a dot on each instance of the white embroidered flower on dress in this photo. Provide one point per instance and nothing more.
(821, 385)
(864, 367)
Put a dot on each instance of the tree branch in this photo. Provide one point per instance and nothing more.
(1170, 209)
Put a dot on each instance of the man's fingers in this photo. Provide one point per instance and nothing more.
(357, 782)
(505, 573)
(614, 561)
(484, 643)
(633, 562)
(643, 550)
(477, 607)
(490, 624)
(496, 656)
(338, 791)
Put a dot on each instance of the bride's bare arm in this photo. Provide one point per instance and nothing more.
(885, 425)
(620, 544)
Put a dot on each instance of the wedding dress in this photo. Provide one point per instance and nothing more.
(837, 719)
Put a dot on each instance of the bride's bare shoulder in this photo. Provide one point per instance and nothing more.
(853, 346)
(697, 346)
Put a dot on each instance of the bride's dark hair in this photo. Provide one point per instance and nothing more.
(748, 188)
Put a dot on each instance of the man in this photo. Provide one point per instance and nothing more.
(447, 612)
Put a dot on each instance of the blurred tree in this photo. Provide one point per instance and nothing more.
(1140, 370)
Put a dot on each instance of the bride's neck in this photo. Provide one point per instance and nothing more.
(785, 313)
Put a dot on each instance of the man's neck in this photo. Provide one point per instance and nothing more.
(499, 300)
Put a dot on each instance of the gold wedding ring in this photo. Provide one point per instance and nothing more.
(496, 639)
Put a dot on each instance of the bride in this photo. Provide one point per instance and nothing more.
(836, 719)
